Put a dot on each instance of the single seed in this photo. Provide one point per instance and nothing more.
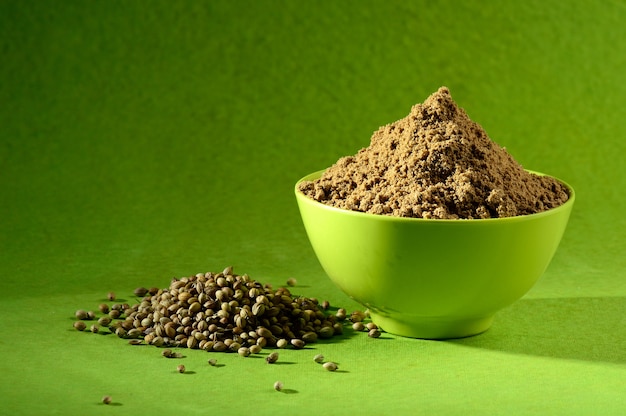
(106, 399)
(341, 314)
(297, 343)
(167, 353)
(180, 368)
(291, 281)
(255, 349)
(325, 305)
(371, 325)
(111, 296)
(140, 292)
(94, 329)
(326, 332)
(81, 314)
(135, 342)
(278, 386)
(243, 351)
(212, 362)
(80, 325)
(281, 343)
(374, 333)
(319, 358)
(272, 358)
(114, 314)
(330, 366)
(309, 337)
(104, 321)
(91, 315)
(104, 308)
(358, 326)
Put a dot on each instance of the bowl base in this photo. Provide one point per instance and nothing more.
(433, 328)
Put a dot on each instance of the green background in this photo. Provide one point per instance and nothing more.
(141, 141)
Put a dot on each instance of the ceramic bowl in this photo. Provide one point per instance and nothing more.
(432, 278)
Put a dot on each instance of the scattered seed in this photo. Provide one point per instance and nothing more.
(80, 325)
(104, 308)
(358, 326)
(135, 342)
(111, 296)
(371, 325)
(278, 386)
(81, 314)
(91, 315)
(167, 353)
(325, 305)
(106, 399)
(374, 333)
(181, 368)
(291, 281)
(212, 362)
(94, 328)
(319, 358)
(281, 343)
(297, 343)
(255, 349)
(140, 292)
(330, 366)
(104, 321)
(340, 314)
(243, 351)
(272, 358)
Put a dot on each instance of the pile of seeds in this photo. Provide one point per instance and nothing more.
(219, 312)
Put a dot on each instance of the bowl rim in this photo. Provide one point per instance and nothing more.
(567, 205)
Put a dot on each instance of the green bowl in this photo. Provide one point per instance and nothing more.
(432, 278)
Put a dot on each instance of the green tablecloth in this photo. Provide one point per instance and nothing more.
(141, 141)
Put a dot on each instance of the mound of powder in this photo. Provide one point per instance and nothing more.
(435, 163)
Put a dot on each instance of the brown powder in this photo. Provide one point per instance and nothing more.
(435, 163)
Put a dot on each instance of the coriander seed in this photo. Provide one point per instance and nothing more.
(278, 386)
(330, 366)
(94, 328)
(181, 368)
(281, 343)
(374, 333)
(243, 351)
(371, 325)
(104, 308)
(291, 281)
(81, 314)
(212, 362)
(272, 358)
(297, 343)
(111, 296)
(255, 349)
(358, 326)
(319, 358)
(104, 321)
(140, 292)
(106, 399)
(80, 325)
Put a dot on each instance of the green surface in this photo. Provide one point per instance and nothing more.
(145, 140)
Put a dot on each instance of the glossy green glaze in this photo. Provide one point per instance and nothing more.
(434, 278)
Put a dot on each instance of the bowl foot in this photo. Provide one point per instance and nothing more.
(433, 328)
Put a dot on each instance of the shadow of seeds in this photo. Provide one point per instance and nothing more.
(587, 328)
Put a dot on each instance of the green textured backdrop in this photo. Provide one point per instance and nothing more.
(140, 141)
